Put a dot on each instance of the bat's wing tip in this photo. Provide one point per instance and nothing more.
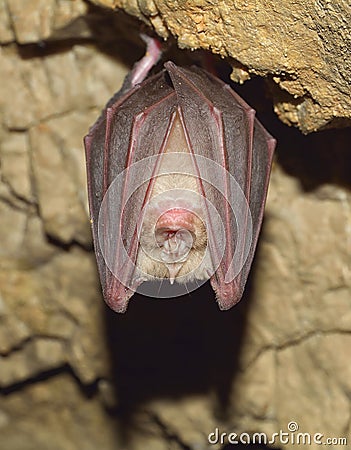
(119, 306)
(170, 65)
(117, 298)
(225, 304)
(227, 294)
(171, 68)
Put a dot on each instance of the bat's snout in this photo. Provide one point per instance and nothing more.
(174, 235)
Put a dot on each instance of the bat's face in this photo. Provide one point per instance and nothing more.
(173, 236)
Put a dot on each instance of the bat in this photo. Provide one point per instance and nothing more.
(178, 170)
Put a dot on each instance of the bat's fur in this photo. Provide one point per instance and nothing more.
(196, 264)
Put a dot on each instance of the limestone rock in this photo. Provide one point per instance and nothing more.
(303, 47)
(54, 414)
(35, 21)
(169, 373)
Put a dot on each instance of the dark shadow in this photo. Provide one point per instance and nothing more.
(113, 33)
(168, 348)
(173, 348)
(88, 390)
(319, 158)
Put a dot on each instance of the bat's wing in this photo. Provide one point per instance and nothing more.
(131, 128)
(222, 127)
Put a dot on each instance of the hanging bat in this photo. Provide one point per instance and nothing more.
(178, 169)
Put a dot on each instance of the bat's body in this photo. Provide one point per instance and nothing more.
(181, 237)
(178, 170)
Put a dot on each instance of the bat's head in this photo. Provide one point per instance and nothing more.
(173, 239)
(173, 236)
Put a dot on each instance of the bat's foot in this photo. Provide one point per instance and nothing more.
(152, 55)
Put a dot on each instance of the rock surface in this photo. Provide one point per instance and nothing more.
(167, 373)
(303, 47)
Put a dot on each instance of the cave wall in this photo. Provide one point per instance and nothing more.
(167, 373)
(302, 47)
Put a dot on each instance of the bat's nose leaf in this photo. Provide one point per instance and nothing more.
(176, 246)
